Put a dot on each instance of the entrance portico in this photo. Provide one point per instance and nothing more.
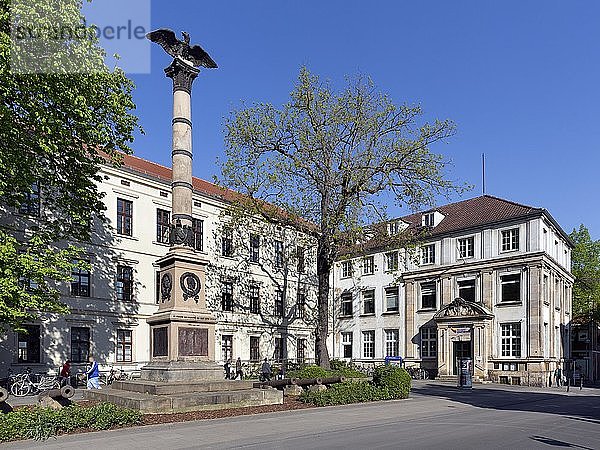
(464, 330)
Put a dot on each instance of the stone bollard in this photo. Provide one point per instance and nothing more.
(317, 388)
(292, 390)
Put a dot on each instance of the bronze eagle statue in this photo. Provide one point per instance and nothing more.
(181, 49)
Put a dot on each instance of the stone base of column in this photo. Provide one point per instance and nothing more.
(182, 371)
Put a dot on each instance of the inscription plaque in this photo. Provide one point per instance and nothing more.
(160, 343)
(193, 342)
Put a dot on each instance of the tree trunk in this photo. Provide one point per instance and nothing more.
(323, 272)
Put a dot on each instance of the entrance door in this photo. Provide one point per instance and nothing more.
(462, 349)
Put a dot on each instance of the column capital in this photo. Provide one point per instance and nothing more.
(182, 74)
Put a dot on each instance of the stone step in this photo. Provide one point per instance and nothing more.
(197, 401)
(159, 388)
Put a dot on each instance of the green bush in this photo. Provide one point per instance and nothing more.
(42, 423)
(395, 379)
(342, 368)
(389, 382)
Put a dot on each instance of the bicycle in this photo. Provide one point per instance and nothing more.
(24, 384)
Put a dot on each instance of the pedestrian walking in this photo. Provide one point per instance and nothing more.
(65, 373)
(238, 369)
(227, 366)
(265, 371)
(558, 377)
(93, 374)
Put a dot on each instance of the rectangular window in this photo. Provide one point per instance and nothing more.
(124, 346)
(393, 228)
(301, 304)
(347, 344)
(369, 265)
(511, 339)
(163, 226)
(510, 240)
(391, 261)
(278, 304)
(368, 344)
(254, 248)
(428, 254)
(392, 346)
(80, 282)
(124, 217)
(428, 295)
(368, 302)
(391, 299)
(466, 289)
(346, 269)
(278, 254)
(254, 348)
(428, 342)
(347, 309)
(227, 243)
(198, 229)
(300, 256)
(227, 296)
(300, 350)
(428, 219)
(227, 347)
(254, 299)
(29, 344)
(124, 283)
(80, 344)
(31, 204)
(511, 288)
(278, 353)
(466, 247)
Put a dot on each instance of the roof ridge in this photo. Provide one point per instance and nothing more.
(510, 201)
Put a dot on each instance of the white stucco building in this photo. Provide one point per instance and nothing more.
(490, 281)
(260, 281)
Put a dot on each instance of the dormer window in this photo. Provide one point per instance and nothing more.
(428, 219)
(393, 228)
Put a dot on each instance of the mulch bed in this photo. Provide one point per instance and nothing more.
(288, 405)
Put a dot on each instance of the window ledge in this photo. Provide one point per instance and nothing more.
(124, 236)
(162, 244)
(506, 304)
(368, 274)
(426, 310)
(509, 251)
(367, 315)
(390, 313)
(345, 317)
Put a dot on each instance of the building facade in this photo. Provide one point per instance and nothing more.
(490, 280)
(260, 281)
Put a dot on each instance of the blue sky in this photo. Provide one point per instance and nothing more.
(519, 78)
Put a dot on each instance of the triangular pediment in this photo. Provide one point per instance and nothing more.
(460, 309)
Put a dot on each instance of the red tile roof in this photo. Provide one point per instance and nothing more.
(155, 170)
(473, 212)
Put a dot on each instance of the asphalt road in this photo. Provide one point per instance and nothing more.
(436, 416)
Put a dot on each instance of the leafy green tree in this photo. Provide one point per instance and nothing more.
(335, 159)
(59, 103)
(585, 259)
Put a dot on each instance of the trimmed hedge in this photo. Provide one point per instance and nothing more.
(338, 369)
(389, 382)
(41, 423)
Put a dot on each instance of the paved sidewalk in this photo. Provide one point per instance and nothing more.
(436, 416)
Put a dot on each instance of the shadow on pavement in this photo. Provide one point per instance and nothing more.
(576, 407)
(557, 443)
